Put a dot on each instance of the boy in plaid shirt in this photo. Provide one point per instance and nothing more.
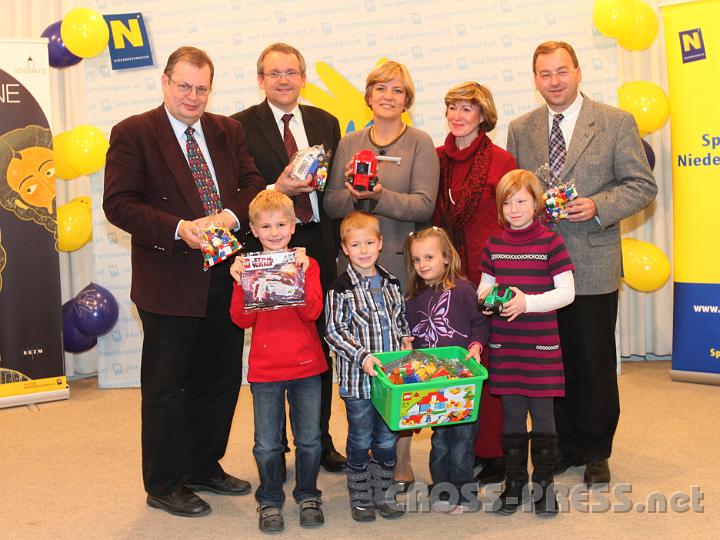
(365, 313)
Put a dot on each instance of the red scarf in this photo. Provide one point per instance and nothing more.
(454, 215)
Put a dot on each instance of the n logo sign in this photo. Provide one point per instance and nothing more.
(129, 45)
(692, 45)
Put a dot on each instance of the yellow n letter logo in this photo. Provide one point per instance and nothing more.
(120, 32)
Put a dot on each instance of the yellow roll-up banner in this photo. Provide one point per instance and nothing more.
(692, 44)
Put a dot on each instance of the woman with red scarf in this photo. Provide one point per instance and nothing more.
(470, 168)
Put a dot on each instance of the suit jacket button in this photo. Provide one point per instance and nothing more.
(164, 199)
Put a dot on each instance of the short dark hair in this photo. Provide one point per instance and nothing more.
(191, 55)
(549, 47)
(281, 48)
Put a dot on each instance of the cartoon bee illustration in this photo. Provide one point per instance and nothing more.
(27, 175)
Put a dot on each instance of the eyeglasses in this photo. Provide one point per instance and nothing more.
(276, 75)
(184, 88)
(559, 73)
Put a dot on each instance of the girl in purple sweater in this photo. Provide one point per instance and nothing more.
(442, 310)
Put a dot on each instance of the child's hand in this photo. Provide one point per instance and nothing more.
(482, 292)
(369, 364)
(301, 258)
(238, 267)
(474, 352)
(515, 306)
(406, 343)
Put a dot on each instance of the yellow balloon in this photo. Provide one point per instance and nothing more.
(74, 226)
(86, 147)
(647, 102)
(643, 31)
(614, 18)
(84, 32)
(645, 267)
(62, 167)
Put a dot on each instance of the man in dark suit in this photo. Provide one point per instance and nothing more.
(598, 148)
(171, 172)
(272, 128)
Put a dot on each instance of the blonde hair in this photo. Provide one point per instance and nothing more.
(478, 95)
(513, 182)
(268, 201)
(452, 268)
(386, 72)
(359, 220)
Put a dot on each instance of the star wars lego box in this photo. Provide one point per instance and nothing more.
(271, 280)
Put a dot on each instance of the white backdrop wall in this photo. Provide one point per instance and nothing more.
(442, 42)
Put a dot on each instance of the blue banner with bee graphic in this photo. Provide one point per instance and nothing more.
(31, 354)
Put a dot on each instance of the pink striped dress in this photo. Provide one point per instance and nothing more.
(525, 357)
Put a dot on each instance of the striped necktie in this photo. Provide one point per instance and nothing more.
(558, 152)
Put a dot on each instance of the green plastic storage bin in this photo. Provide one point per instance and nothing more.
(435, 402)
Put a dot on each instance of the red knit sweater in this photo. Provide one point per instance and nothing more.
(285, 343)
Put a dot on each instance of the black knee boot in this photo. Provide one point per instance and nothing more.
(515, 451)
(361, 499)
(543, 452)
(384, 497)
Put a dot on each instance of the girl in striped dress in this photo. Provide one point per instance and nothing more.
(526, 367)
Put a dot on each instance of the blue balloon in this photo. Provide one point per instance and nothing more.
(95, 310)
(650, 153)
(60, 57)
(74, 340)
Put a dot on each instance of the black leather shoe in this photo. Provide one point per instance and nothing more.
(181, 502)
(493, 471)
(565, 461)
(332, 460)
(224, 484)
(597, 472)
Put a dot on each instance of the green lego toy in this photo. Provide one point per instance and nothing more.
(494, 302)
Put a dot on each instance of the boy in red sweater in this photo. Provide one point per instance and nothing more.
(286, 359)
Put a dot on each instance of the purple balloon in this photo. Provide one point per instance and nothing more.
(60, 57)
(649, 153)
(74, 340)
(95, 310)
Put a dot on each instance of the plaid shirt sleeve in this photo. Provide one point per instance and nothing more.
(339, 337)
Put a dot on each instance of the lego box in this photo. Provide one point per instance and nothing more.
(436, 402)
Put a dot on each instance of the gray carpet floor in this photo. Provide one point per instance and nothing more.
(71, 469)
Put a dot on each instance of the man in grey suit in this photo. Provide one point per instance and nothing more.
(598, 148)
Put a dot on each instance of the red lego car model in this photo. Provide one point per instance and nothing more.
(364, 175)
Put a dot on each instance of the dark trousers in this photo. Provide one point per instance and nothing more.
(586, 418)
(190, 378)
(314, 239)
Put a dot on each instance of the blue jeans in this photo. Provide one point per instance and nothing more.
(452, 456)
(367, 431)
(303, 396)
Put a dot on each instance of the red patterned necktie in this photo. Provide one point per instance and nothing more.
(303, 207)
(558, 152)
(201, 173)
